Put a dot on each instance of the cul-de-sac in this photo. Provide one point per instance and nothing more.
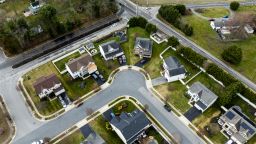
(127, 72)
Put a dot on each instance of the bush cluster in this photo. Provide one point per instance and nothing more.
(143, 23)
(232, 54)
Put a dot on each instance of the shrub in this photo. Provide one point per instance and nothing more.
(229, 93)
(188, 30)
(169, 13)
(173, 41)
(150, 28)
(192, 56)
(181, 8)
(220, 74)
(138, 21)
(232, 54)
(234, 5)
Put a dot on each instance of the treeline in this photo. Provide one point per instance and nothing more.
(143, 23)
(19, 34)
(172, 14)
(232, 85)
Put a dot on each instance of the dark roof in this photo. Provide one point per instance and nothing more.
(35, 3)
(174, 67)
(130, 124)
(75, 64)
(111, 48)
(86, 130)
(45, 82)
(107, 114)
(145, 44)
(230, 115)
(202, 105)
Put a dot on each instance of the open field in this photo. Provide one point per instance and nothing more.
(4, 125)
(160, 2)
(175, 93)
(213, 12)
(74, 138)
(210, 41)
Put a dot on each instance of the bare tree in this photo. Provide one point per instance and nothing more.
(46, 140)
(89, 111)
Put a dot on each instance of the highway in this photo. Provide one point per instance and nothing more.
(185, 41)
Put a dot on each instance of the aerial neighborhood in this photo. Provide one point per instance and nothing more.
(127, 72)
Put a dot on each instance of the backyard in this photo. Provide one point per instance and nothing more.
(216, 12)
(61, 63)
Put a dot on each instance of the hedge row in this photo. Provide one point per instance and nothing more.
(227, 80)
(192, 56)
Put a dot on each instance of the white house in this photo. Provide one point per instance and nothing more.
(173, 70)
(130, 126)
(46, 85)
(201, 96)
(110, 50)
(81, 67)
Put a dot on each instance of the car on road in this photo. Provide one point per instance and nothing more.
(38, 142)
(167, 107)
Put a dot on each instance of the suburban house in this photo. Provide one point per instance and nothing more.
(201, 96)
(143, 47)
(91, 137)
(48, 85)
(130, 126)
(81, 67)
(173, 70)
(110, 50)
(237, 125)
(159, 37)
(34, 6)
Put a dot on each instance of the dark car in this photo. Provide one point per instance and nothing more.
(143, 61)
(167, 107)
(80, 104)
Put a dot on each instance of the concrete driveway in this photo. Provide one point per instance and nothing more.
(127, 82)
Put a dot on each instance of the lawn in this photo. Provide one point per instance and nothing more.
(124, 106)
(61, 63)
(175, 92)
(99, 126)
(250, 8)
(161, 2)
(72, 87)
(208, 118)
(209, 40)
(151, 131)
(214, 12)
(128, 46)
(74, 138)
(5, 126)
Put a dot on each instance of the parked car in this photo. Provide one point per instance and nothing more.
(167, 107)
(120, 60)
(143, 61)
(102, 78)
(80, 104)
(38, 142)
(62, 102)
(94, 76)
(97, 72)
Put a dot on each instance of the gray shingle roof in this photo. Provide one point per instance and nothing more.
(206, 96)
(76, 64)
(131, 124)
(144, 44)
(111, 48)
(174, 67)
(45, 82)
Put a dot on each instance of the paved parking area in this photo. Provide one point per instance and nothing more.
(192, 113)
(122, 60)
(98, 77)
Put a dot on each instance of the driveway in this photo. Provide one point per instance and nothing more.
(192, 113)
(142, 62)
(127, 82)
(159, 81)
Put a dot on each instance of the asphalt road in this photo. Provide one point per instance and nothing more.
(185, 41)
(127, 82)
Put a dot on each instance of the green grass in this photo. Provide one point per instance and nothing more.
(162, 2)
(251, 8)
(99, 126)
(5, 126)
(208, 39)
(128, 46)
(154, 133)
(218, 138)
(124, 106)
(215, 12)
(175, 92)
(61, 63)
(74, 138)
(71, 86)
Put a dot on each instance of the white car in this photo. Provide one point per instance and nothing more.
(2, 1)
(38, 142)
